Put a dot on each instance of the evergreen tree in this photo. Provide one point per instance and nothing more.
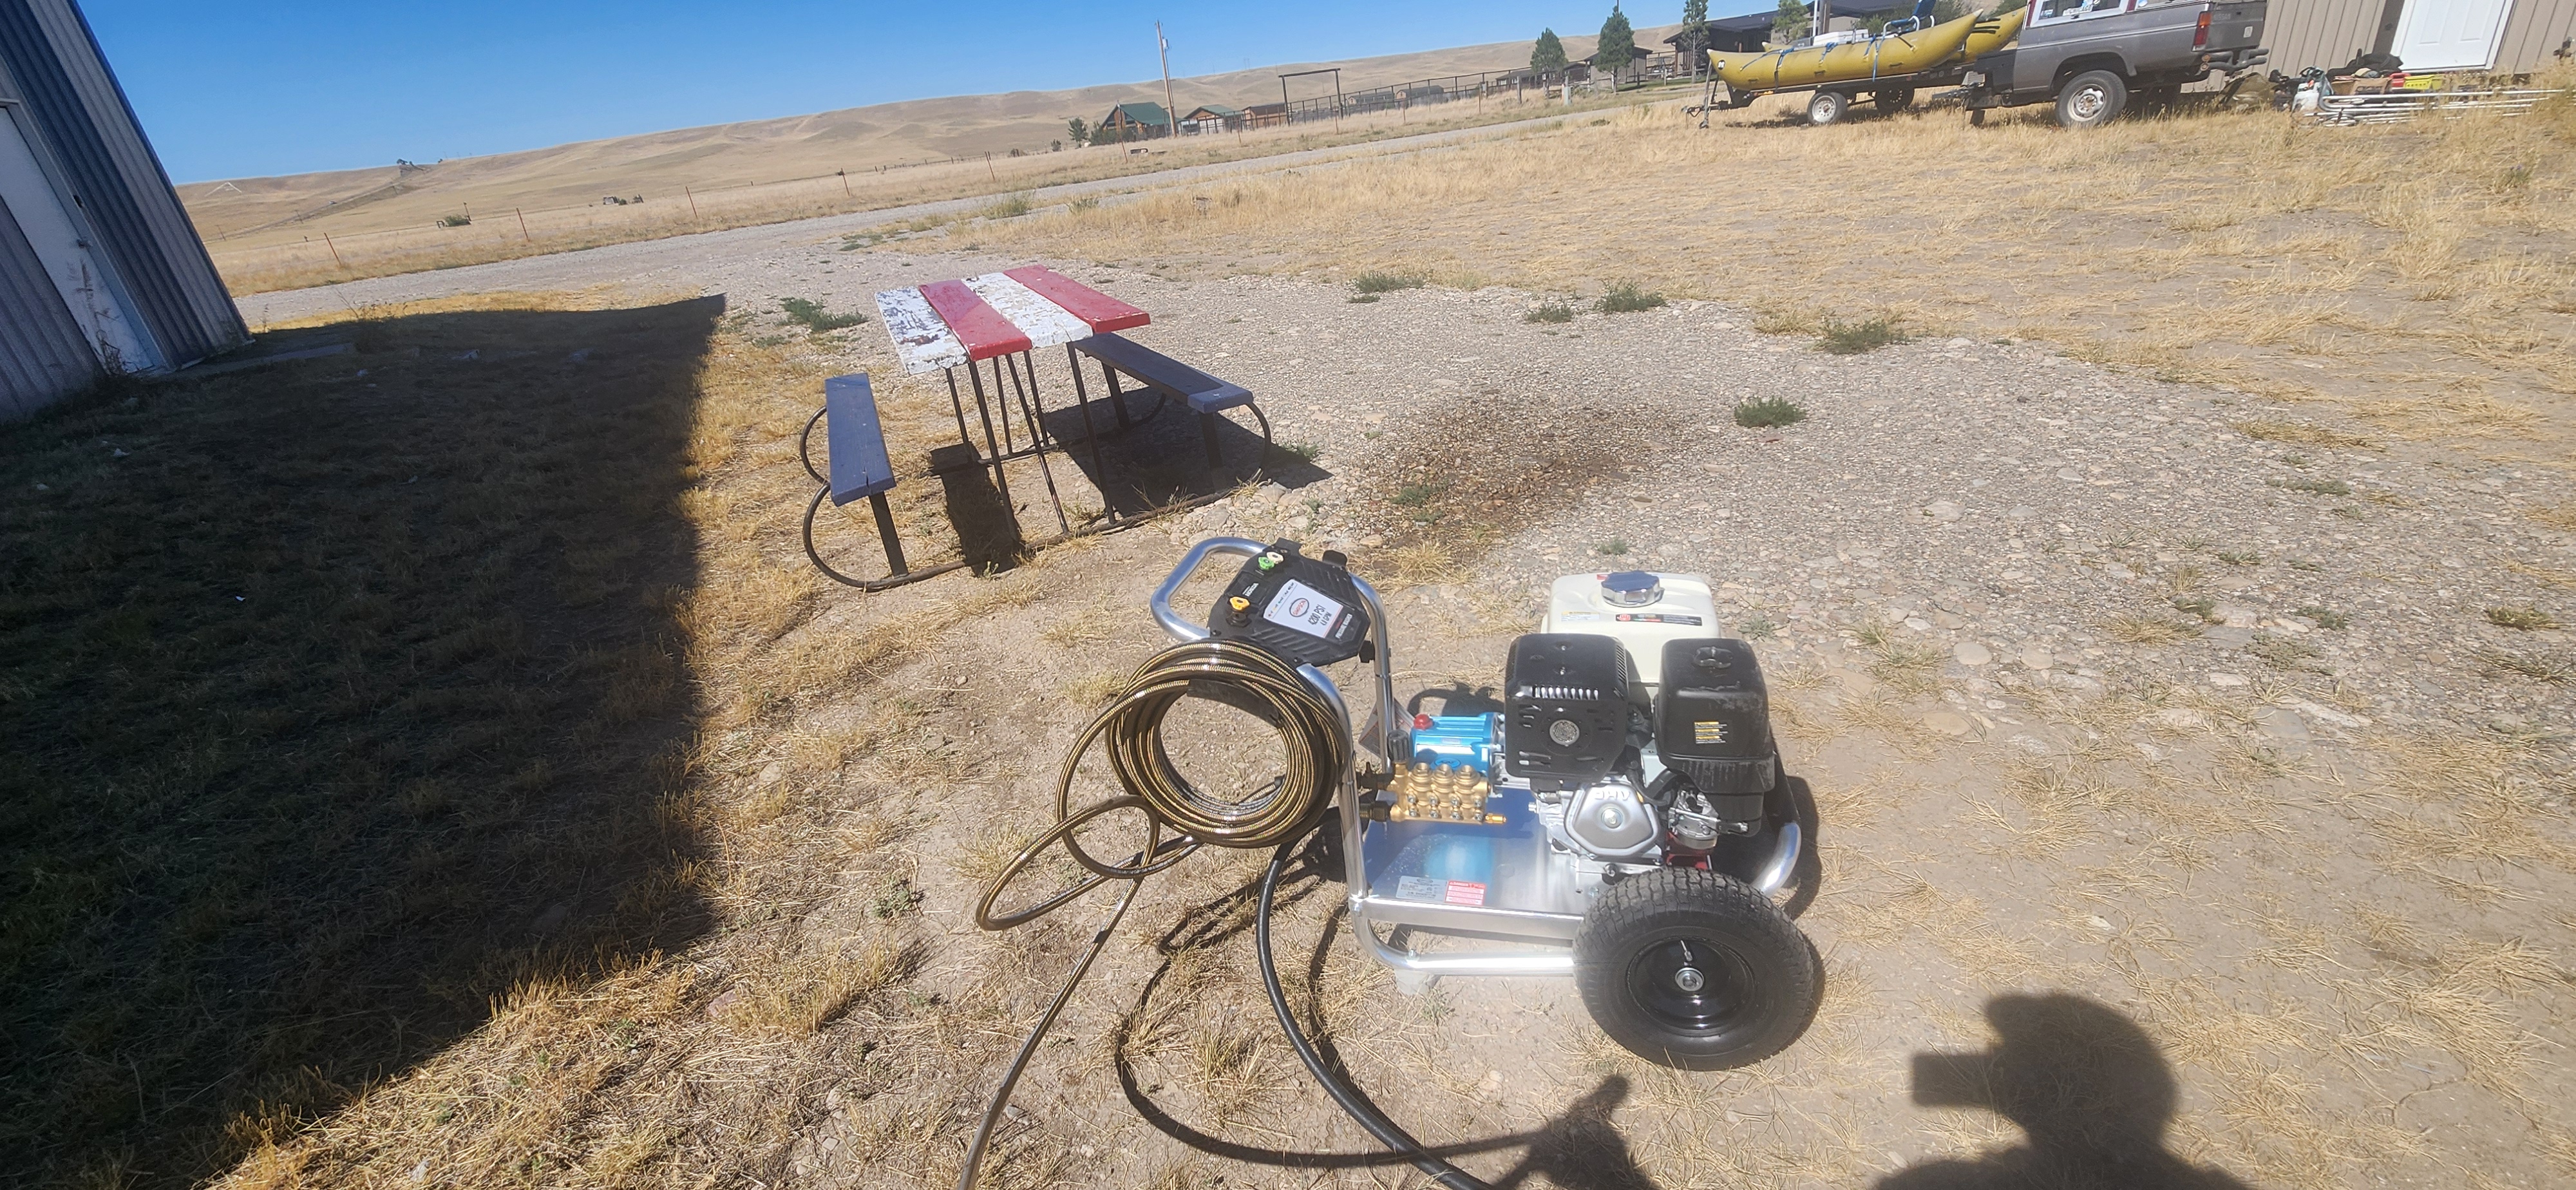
(1694, 42)
(1618, 46)
(1074, 128)
(1790, 23)
(1547, 58)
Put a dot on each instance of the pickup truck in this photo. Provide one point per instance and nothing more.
(2090, 56)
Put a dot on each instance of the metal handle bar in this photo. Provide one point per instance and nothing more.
(1175, 625)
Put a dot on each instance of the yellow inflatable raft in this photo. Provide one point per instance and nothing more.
(1993, 33)
(1851, 61)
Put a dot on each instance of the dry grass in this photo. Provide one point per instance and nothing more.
(2423, 277)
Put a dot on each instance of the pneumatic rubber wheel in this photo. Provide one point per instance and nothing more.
(2092, 99)
(1893, 100)
(1695, 970)
(1827, 107)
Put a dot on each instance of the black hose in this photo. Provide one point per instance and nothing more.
(1385, 1130)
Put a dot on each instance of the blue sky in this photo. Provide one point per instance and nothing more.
(240, 90)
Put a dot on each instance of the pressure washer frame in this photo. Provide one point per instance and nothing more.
(1389, 742)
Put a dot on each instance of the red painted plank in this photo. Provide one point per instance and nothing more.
(1103, 312)
(980, 327)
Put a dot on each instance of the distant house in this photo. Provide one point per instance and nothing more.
(1135, 121)
(1265, 115)
(1733, 35)
(1212, 117)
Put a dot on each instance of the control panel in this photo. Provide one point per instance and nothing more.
(1303, 609)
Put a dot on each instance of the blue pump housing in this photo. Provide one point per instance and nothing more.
(1466, 741)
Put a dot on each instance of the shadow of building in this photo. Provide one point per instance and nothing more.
(2085, 1084)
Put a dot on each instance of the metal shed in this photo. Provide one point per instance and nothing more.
(2507, 36)
(100, 269)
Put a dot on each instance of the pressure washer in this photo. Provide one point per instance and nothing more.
(1623, 818)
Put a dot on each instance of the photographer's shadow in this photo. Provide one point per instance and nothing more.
(2087, 1086)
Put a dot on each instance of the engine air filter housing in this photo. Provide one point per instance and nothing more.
(1713, 722)
(1568, 701)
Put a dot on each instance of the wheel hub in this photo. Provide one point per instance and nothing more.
(1692, 986)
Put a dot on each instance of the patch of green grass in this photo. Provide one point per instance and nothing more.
(811, 315)
(2326, 617)
(1769, 413)
(1009, 206)
(1303, 452)
(898, 899)
(1375, 282)
(1551, 310)
(1415, 495)
(2239, 557)
(2307, 564)
(1758, 627)
(1613, 548)
(1626, 298)
(2521, 619)
(1855, 338)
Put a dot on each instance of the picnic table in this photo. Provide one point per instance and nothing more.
(990, 327)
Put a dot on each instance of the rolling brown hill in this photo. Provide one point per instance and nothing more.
(856, 139)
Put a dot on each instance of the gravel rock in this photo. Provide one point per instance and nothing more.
(1970, 652)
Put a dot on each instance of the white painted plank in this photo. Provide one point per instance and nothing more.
(921, 340)
(1044, 322)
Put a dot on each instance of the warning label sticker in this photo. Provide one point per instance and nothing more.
(1659, 618)
(1449, 892)
(1708, 731)
(1303, 608)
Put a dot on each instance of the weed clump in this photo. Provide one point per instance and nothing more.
(813, 317)
(1551, 310)
(1372, 283)
(1758, 627)
(2316, 487)
(1626, 298)
(1009, 206)
(1768, 413)
(456, 220)
(2521, 619)
(1856, 338)
(1615, 547)
(2326, 617)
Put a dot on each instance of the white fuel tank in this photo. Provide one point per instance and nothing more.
(1639, 609)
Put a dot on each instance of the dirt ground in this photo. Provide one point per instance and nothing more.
(2190, 744)
(2189, 810)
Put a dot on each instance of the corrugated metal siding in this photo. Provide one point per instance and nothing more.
(116, 180)
(2533, 30)
(42, 352)
(2305, 33)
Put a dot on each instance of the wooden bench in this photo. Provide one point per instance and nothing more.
(1207, 396)
(859, 463)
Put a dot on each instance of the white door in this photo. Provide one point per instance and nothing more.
(2449, 34)
(78, 268)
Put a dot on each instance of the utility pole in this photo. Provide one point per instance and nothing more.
(1171, 116)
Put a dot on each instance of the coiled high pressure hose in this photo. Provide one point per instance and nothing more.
(1317, 739)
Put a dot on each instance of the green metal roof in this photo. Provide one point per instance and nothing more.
(1219, 110)
(1143, 113)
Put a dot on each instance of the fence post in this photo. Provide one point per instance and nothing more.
(693, 204)
(335, 250)
(524, 238)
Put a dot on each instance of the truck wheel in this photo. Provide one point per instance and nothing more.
(1695, 970)
(1827, 107)
(1894, 99)
(2091, 99)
